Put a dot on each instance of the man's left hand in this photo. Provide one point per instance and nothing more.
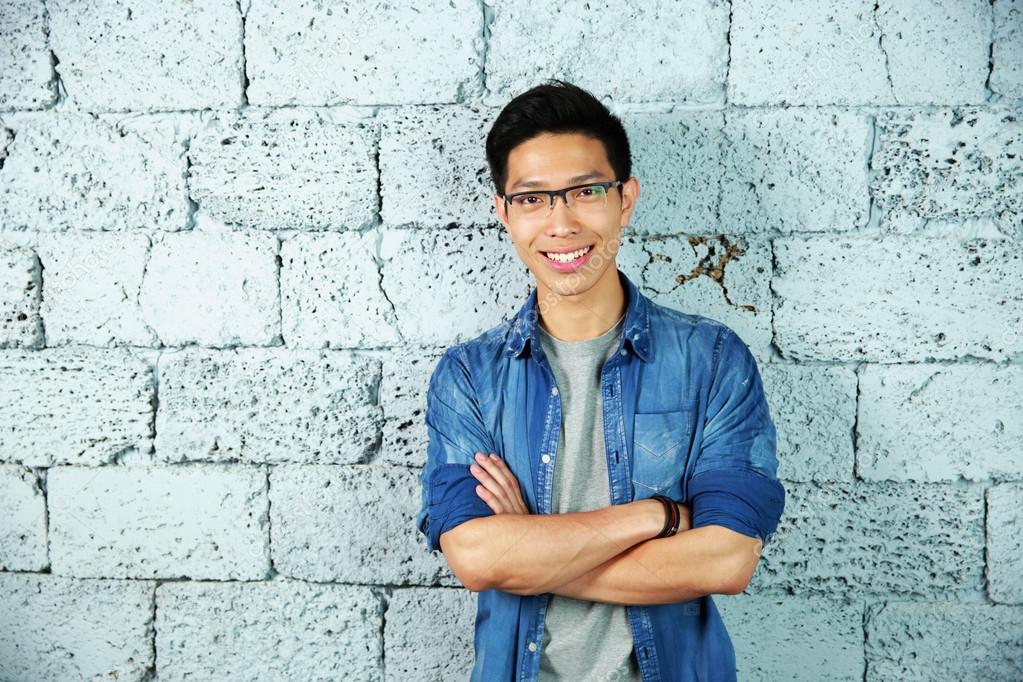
(498, 486)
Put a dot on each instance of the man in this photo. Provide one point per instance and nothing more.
(550, 433)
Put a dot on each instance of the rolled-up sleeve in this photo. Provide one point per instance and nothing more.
(734, 482)
(456, 433)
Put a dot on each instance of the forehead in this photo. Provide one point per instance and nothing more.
(552, 158)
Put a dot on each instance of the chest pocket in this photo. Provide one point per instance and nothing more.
(660, 447)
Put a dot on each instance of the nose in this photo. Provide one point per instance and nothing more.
(561, 219)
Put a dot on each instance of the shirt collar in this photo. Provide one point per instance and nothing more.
(521, 334)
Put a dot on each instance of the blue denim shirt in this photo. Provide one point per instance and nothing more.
(684, 415)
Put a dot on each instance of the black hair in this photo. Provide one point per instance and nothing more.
(555, 107)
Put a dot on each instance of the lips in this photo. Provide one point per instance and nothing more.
(567, 255)
(569, 260)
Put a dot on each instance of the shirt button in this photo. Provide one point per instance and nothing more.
(554, 390)
(532, 646)
(546, 459)
(624, 352)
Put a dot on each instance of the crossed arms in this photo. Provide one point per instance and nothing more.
(491, 541)
(603, 556)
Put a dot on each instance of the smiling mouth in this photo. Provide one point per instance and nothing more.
(565, 258)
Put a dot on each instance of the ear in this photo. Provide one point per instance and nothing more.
(502, 214)
(630, 195)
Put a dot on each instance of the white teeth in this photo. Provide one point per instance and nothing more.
(567, 257)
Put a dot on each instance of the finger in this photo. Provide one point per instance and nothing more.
(492, 500)
(495, 484)
(513, 501)
(484, 477)
(497, 470)
(511, 485)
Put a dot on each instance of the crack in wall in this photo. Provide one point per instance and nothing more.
(774, 297)
(378, 260)
(713, 265)
(990, 94)
(242, 12)
(484, 53)
(884, 52)
(873, 217)
(728, 53)
(919, 389)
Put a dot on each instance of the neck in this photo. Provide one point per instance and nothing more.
(586, 315)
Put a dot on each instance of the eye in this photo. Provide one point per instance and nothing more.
(589, 192)
(528, 199)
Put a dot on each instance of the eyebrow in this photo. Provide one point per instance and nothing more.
(582, 177)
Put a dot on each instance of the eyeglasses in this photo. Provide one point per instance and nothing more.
(584, 200)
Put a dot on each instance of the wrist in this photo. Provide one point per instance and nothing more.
(655, 515)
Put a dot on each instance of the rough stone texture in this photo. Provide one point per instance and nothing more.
(717, 276)
(74, 405)
(92, 289)
(264, 405)
(214, 288)
(25, 71)
(173, 54)
(677, 160)
(286, 170)
(1005, 543)
(406, 376)
(807, 52)
(927, 422)
(198, 521)
(283, 629)
(793, 170)
(23, 510)
(433, 167)
(327, 523)
(331, 294)
(54, 628)
(951, 171)
(285, 212)
(677, 52)
(950, 37)
(875, 539)
(813, 408)
(448, 286)
(439, 647)
(794, 638)
(1007, 50)
(20, 294)
(897, 299)
(68, 171)
(944, 641)
(361, 53)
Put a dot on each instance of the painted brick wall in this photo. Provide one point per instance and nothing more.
(234, 239)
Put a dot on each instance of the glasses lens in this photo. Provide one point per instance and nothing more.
(592, 195)
(528, 204)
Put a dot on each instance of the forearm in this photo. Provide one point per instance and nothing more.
(691, 564)
(532, 553)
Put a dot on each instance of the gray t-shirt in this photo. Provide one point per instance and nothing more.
(583, 640)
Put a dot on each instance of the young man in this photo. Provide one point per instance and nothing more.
(550, 433)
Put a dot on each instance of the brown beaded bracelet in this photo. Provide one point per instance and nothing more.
(673, 517)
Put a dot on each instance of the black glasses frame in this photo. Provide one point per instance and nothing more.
(563, 193)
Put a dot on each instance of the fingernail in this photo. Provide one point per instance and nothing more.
(494, 456)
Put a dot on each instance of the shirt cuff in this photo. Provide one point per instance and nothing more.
(453, 500)
(743, 500)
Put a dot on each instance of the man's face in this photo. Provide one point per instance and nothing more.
(554, 161)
